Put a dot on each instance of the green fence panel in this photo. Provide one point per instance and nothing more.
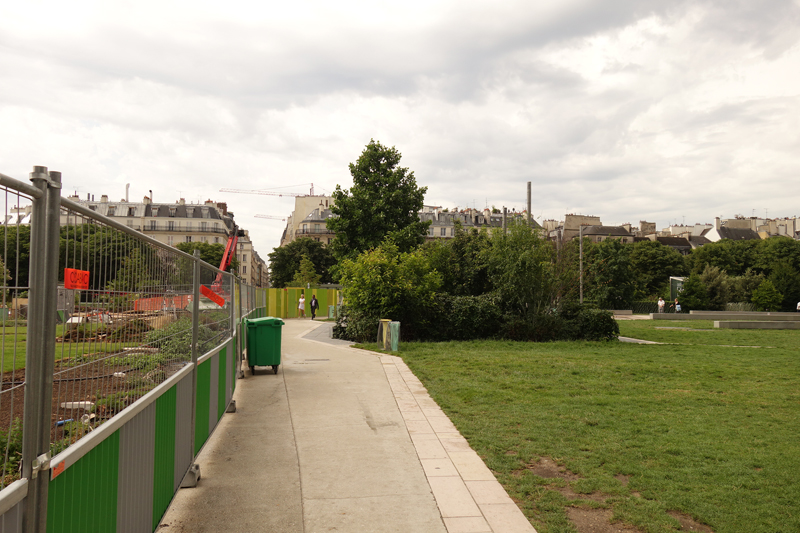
(222, 389)
(84, 498)
(322, 297)
(202, 405)
(164, 464)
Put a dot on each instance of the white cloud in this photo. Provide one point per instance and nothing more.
(631, 110)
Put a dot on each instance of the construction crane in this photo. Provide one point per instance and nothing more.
(270, 193)
(270, 217)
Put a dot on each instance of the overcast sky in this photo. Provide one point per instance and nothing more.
(658, 110)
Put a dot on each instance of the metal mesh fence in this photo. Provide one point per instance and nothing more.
(13, 319)
(125, 329)
(216, 295)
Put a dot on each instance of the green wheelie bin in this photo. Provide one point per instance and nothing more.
(264, 342)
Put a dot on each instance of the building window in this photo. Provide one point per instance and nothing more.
(188, 226)
(172, 211)
(205, 239)
(204, 226)
(188, 238)
(129, 223)
(111, 210)
(171, 240)
(131, 211)
(152, 225)
(93, 207)
(244, 258)
(244, 269)
(430, 232)
(171, 225)
(444, 232)
(216, 240)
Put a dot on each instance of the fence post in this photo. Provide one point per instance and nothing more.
(240, 326)
(40, 349)
(193, 474)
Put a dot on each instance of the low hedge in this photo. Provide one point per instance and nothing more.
(481, 317)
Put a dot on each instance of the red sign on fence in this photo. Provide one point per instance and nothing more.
(213, 296)
(76, 279)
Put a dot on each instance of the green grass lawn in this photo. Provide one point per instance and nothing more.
(699, 426)
(13, 343)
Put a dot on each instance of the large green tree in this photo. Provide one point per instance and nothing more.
(734, 257)
(382, 204)
(613, 275)
(306, 276)
(521, 268)
(786, 281)
(286, 260)
(653, 264)
(462, 261)
(210, 253)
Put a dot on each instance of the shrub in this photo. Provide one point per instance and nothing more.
(462, 318)
(11, 443)
(766, 297)
(175, 340)
(355, 326)
(570, 321)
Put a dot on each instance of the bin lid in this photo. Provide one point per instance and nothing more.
(264, 321)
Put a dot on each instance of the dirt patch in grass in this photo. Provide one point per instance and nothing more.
(688, 523)
(547, 468)
(597, 520)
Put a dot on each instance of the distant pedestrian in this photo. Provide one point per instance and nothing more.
(301, 305)
(798, 307)
(314, 306)
(661, 304)
(677, 306)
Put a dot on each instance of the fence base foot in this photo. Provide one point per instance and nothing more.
(192, 477)
(231, 407)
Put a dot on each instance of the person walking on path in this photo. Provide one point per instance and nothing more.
(314, 306)
(677, 306)
(661, 303)
(301, 305)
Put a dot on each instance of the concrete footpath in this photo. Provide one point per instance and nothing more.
(340, 440)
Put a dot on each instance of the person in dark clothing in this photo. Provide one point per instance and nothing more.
(314, 306)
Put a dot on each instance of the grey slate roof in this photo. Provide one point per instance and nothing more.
(738, 234)
(613, 231)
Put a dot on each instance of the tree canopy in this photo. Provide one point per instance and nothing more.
(382, 204)
(285, 261)
(210, 253)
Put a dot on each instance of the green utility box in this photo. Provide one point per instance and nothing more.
(264, 342)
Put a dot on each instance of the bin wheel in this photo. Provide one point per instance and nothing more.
(253, 370)
(275, 369)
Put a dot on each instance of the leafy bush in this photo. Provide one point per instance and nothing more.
(463, 318)
(175, 340)
(597, 325)
(766, 297)
(384, 283)
(570, 321)
(355, 326)
(114, 403)
(11, 440)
